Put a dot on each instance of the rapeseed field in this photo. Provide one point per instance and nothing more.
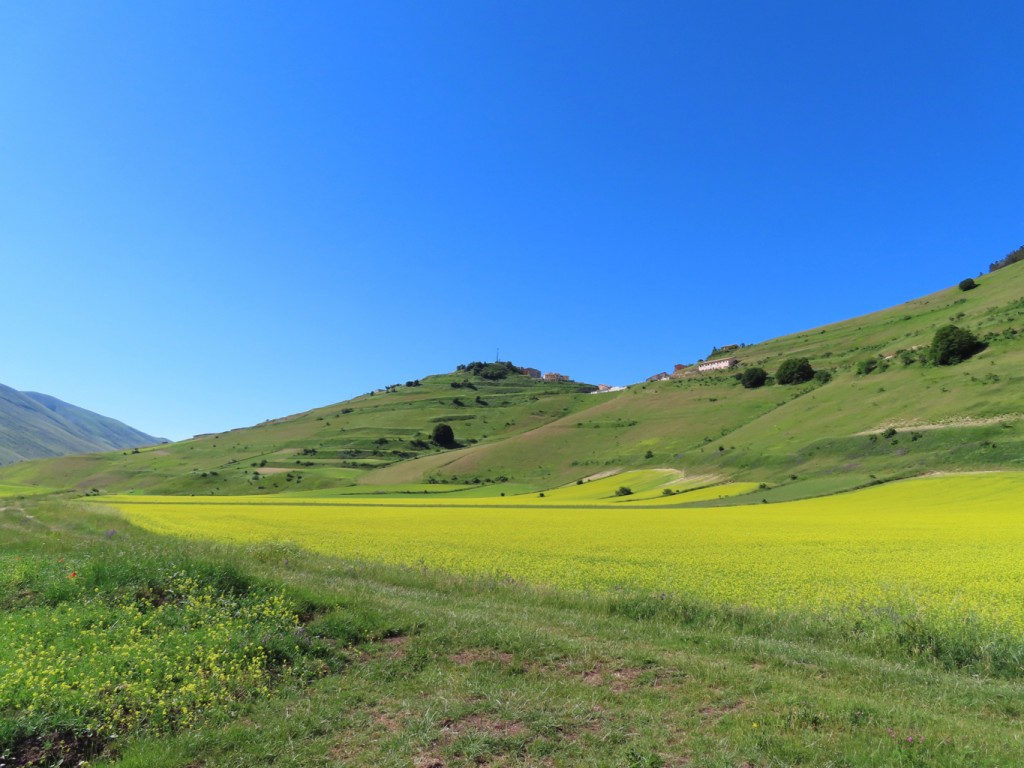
(945, 548)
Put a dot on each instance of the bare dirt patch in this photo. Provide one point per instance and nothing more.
(619, 679)
(624, 679)
(57, 748)
(428, 761)
(388, 721)
(715, 711)
(396, 645)
(453, 729)
(602, 475)
(471, 656)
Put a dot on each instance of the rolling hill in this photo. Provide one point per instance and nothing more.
(881, 410)
(34, 425)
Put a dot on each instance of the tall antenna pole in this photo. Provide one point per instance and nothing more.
(497, 355)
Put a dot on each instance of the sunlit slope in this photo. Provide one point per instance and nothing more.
(803, 439)
(324, 448)
(670, 421)
(944, 547)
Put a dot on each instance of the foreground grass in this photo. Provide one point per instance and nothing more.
(425, 669)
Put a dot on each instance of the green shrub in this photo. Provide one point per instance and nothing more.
(865, 367)
(795, 370)
(443, 436)
(952, 345)
(753, 377)
(967, 284)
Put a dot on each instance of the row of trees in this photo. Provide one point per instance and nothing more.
(795, 370)
(1010, 258)
(489, 371)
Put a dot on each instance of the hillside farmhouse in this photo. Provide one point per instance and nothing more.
(555, 377)
(657, 377)
(602, 388)
(533, 373)
(722, 364)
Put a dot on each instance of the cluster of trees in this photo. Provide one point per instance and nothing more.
(795, 370)
(952, 345)
(1010, 258)
(753, 377)
(727, 348)
(489, 371)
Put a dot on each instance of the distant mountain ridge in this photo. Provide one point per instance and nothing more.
(34, 425)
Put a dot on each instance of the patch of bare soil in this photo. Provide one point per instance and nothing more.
(601, 475)
(57, 748)
(397, 646)
(620, 679)
(388, 721)
(452, 729)
(471, 656)
(963, 421)
(715, 711)
(624, 679)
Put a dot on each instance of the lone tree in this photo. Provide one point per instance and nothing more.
(752, 378)
(795, 370)
(443, 436)
(967, 284)
(952, 345)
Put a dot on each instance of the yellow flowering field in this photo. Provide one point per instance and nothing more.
(949, 547)
(104, 669)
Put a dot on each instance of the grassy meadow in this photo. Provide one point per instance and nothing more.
(125, 648)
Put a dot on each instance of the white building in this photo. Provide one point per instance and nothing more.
(718, 365)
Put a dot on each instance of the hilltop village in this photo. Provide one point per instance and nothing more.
(720, 359)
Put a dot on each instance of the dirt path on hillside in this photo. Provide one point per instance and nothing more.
(964, 421)
(674, 475)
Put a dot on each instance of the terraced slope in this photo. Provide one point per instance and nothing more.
(326, 448)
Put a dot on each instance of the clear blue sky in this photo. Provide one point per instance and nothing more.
(214, 213)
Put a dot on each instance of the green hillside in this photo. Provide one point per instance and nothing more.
(886, 412)
(829, 436)
(327, 448)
